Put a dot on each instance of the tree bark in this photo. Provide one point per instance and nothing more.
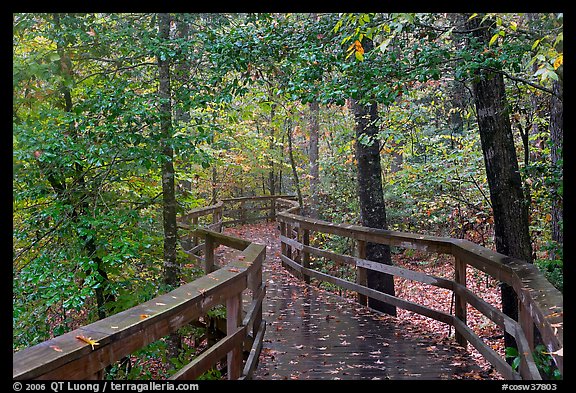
(171, 276)
(509, 206)
(556, 137)
(371, 197)
(313, 156)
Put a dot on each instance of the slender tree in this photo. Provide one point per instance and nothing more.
(171, 267)
(510, 210)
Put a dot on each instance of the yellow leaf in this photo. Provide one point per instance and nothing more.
(88, 340)
(559, 61)
(144, 316)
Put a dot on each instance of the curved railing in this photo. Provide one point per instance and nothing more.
(70, 356)
(540, 304)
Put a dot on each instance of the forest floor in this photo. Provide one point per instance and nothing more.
(440, 299)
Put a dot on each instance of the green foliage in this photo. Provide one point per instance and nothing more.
(543, 360)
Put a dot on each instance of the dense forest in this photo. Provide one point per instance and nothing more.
(442, 124)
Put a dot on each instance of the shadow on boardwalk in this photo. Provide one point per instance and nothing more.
(313, 334)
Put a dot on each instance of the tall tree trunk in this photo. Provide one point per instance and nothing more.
(371, 196)
(293, 164)
(313, 156)
(171, 267)
(556, 137)
(271, 183)
(314, 126)
(510, 210)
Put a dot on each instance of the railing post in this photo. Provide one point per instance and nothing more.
(527, 325)
(255, 285)
(208, 254)
(305, 254)
(233, 320)
(361, 274)
(194, 237)
(289, 236)
(459, 301)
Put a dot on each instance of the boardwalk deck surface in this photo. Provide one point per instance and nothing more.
(313, 334)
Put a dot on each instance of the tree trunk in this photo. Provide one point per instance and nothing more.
(556, 137)
(371, 196)
(313, 156)
(510, 210)
(293, 165)
(171, 268)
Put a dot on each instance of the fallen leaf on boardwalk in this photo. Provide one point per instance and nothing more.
(160, 304)
(144, 316)
(233, 270)
(344, 343)
(88, 340)
(56, 348)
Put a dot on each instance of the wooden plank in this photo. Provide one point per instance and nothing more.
(254, 354)
(211, 356)
(225, 240)
(255, 305)
(201, 211)
(393, 238)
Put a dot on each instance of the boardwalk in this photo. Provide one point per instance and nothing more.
(313, 334)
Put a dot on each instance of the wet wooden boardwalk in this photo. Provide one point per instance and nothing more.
(313, 334)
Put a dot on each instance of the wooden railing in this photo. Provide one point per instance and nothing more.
(540, 304)
(69, 357)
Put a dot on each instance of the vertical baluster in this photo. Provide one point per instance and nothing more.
(459, 301)
(305, 254)
(233, 320)
(209, 254)
(361, 275)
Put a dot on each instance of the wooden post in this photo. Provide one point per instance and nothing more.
(459, 301)
(361, 276)
(305, 255)
(255, 285)
(283, 233)
(208, 254)
(527, 325)
(289, 236)
(195, 237)
(233, 320)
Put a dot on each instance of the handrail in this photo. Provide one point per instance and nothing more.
(541, 305)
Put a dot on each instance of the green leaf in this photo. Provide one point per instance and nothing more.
(493, 39)
(359, 56)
